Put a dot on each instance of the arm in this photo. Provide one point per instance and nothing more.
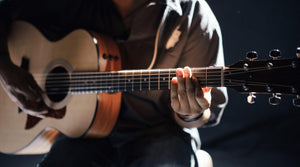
(16, 82)
(203, 48)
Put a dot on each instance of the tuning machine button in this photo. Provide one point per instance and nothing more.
(298, 52)
(252, 55)
(275, 54)
(251, 98)
(296, 101)
(275, 99)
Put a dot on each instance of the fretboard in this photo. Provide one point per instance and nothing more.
(139, 80)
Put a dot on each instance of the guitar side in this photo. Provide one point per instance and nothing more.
(75, 52)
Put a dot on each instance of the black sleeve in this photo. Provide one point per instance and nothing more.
(204, 47)
(6, 18)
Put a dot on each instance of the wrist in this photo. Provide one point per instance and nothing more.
(6, 64)
(189, 118)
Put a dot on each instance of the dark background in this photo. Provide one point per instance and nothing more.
(257, 135)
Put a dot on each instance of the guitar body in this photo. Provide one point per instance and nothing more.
(91, 115)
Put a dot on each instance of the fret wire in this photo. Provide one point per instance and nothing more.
(119, 81)
(132, 81)
(169, 87)
(149, 80)
(158, 79)
(222, 77)
(136, 82)
(141, 80)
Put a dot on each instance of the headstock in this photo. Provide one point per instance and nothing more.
(276, 76)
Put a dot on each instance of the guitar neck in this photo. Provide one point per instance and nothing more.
(139, 80)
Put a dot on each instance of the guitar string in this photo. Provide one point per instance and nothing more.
(145, 72)
(154, 85)
(134, 71)
(161, 72)
(164, 86)
(101, 75)
(117, 90)
(104, 76)
(128, 80)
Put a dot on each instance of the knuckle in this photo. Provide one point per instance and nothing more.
(190, 90)
(195, 108)
(182, 93)
(174, 97)
(204, 104)
(199, 96)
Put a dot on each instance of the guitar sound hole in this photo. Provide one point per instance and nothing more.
(57, 84)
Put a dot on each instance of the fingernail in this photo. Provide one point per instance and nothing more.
(174, 80)
(44, 112)
(41, 116)
(179, 73)
(187, 72)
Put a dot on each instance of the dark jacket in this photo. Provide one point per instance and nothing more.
(176, 33)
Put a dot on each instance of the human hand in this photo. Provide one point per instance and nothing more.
(187, 96)
(23, 90)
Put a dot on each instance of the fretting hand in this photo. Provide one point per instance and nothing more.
(187, 99)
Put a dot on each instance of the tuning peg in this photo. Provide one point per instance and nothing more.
(275, 99)
(252, 55)
(298, 52)
(275, 54)
(251, 98)
(296, 101)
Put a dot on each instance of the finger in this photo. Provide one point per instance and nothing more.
(190, 89)
(184, 105)
(35, 114)
(174, 95)
(24, 104)
(199, 95)
(34, 92)
(27, 91)
(19, 98)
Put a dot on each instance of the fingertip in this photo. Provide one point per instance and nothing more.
(187, 72)
(44, 112)
(179, 72)
(174, 80)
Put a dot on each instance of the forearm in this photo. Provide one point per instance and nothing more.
(5, 24)
(4, 53)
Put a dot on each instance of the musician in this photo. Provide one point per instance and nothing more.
(150, 34)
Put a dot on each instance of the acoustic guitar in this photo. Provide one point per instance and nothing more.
(82, 81)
